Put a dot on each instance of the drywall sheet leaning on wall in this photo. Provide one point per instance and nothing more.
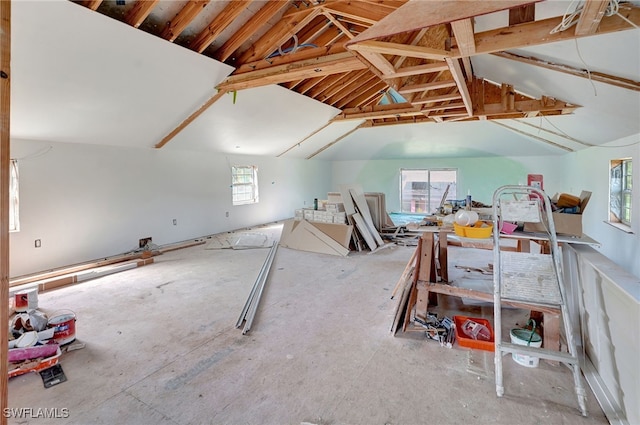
(324, 238)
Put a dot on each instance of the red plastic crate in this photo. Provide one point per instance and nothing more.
(465, 341)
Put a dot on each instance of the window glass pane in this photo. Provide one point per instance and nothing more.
(422, 190)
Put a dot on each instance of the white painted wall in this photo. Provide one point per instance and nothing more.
(589, 169)
(87, 202)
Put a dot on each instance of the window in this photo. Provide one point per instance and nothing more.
(620, 182)
(14, 218)
(421, 191)
(244, 184)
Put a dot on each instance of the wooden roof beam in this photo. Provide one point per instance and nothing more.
(324, 65)
(463, 32)
(590, 17)
(357, 10)
(92, 4)
(418, 70)
(139, 12)
(299, 55)
(225, 18)
(277, 35)
(539, 32)
(456, 72)
(397, 49)
(418, 88)
(266, 12)
(182, 20)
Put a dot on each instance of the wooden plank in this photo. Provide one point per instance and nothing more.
(92, 4)
(435, 85)
(418, 70)
(406, 272)
(225, 18)
(139, 12)
(5, 161)
(182, 20)
(397, 49)
(463, 31)
(590, 16)
(456, 71)
(315, 67)
(426, 272)
(443, 256)
(260, 18)
(415, 15)
(213, 99)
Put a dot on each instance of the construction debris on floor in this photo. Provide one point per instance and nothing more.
(37, 340)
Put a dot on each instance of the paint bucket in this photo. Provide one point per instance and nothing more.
(26, 300)
(529, 338)
(64, 326)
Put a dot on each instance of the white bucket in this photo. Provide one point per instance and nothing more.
(525, 337)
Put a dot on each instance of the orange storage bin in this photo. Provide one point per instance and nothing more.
(465, 341)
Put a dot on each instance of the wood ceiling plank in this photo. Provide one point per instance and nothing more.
(327, 83)
(277, 35)
(384, 67)
(213, 99)
(397, 49)
(522, 14)
(397, 63)
(260, 18)
(310, 84)
(592, 75)
(139, 12)
(225, 18)
(590, 17)
(363, 95)
(338, 24)
(316, 67)
(430, 109)
(299, 55)
(313, 30)
(419, 70)
(5, 163)
(92, 4)
(369, 13)
(463, 32)
(415, 15)
(539, 32)
(182, 20)
(418, 88)
(434, 99)
(348, 90)
(456, 72)
(346, 80)
(395, 110)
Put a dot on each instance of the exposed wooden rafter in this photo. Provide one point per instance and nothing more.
(219, 24)
(182, 20)
(590, 16)
(139, 12)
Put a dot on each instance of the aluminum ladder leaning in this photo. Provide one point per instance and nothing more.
(533, 278)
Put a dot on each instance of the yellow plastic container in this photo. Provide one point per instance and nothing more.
(480, 230)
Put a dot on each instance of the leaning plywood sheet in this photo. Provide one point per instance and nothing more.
(366, 235)
(340, 233)
(358, 196)
(349, 206)
(302, 235)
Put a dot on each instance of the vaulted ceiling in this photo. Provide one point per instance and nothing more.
(456, 70)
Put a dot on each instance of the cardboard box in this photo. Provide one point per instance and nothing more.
(565, 224)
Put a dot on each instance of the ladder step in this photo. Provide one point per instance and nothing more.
(542, 353)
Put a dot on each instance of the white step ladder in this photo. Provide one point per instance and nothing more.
(532, 278)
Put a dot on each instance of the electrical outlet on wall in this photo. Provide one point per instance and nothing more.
(175, 222)
(38, 243)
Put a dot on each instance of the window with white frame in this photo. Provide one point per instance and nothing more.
(14, 217)
(244, 184)
(620, 196)
(422, 190)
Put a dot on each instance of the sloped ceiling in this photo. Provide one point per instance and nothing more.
(80, 76)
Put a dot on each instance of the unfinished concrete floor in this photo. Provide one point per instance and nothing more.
(162, 348)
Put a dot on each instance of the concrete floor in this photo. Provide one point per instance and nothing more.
(162, 348)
